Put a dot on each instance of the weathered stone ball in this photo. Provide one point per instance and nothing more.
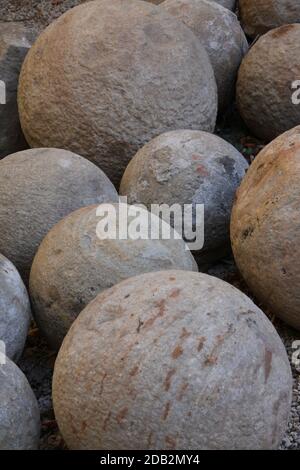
(260, 16)
(38, 187)
(189, 167)
(14, 310)
(109, 75)
(220, 32)
(265, 86)
(19, 411)
(265, 227)
(62, 284)
(15, 41)
(172, 360)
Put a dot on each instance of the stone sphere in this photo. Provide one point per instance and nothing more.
(14, 310)
(265, 81)
(109, 75)
(15, 41)
(73, 265)
(19, 411)
(189, 167)
(220, 32)
(38, 187)
(260, 16)
(265, 227)
(172, 360)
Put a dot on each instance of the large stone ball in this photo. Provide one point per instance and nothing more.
(260, 16)
(172, 360)
(265, 83)
(220, 32)
(38, 187)
(14, 310)
(189, 167)
(62, 284)
(265, 227)
(19, 411)
(109, 75)
(15, 41)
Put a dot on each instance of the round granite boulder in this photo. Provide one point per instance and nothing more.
(109, 75)
(172, 360)
(38, 187)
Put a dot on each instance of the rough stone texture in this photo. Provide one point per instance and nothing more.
(265, 227)
(108, 76)
(220, 32)
(62, 284)
(14, 310)
(19, 411)
(15, 41)
(260, 16)
(38, 187)
(188, 363)
(264, 86)
(189, 167)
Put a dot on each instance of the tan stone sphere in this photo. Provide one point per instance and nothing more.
(109, 75)
(73, 265)
(38, 187)
(220, 32)
(259, 16)
(267, 83)
(189, 167)
(265, 227)
(172, 360)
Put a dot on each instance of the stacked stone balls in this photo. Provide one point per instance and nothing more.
(259, 16)
(265, 227)
(77, 260)
(38, 187)
(107, 76)
(267, 83)
(220, 32)
(189, 167)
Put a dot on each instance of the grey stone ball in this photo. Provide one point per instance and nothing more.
(15, 310)
(220, 32)
(38, 187)
(189, 167)
(264, 85)
(73, 265)
(15, 41)
(109, 75)
(265, 227)
(172, 360)
(19, 411)
(260, 16)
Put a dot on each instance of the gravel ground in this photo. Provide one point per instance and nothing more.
(38, 361)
